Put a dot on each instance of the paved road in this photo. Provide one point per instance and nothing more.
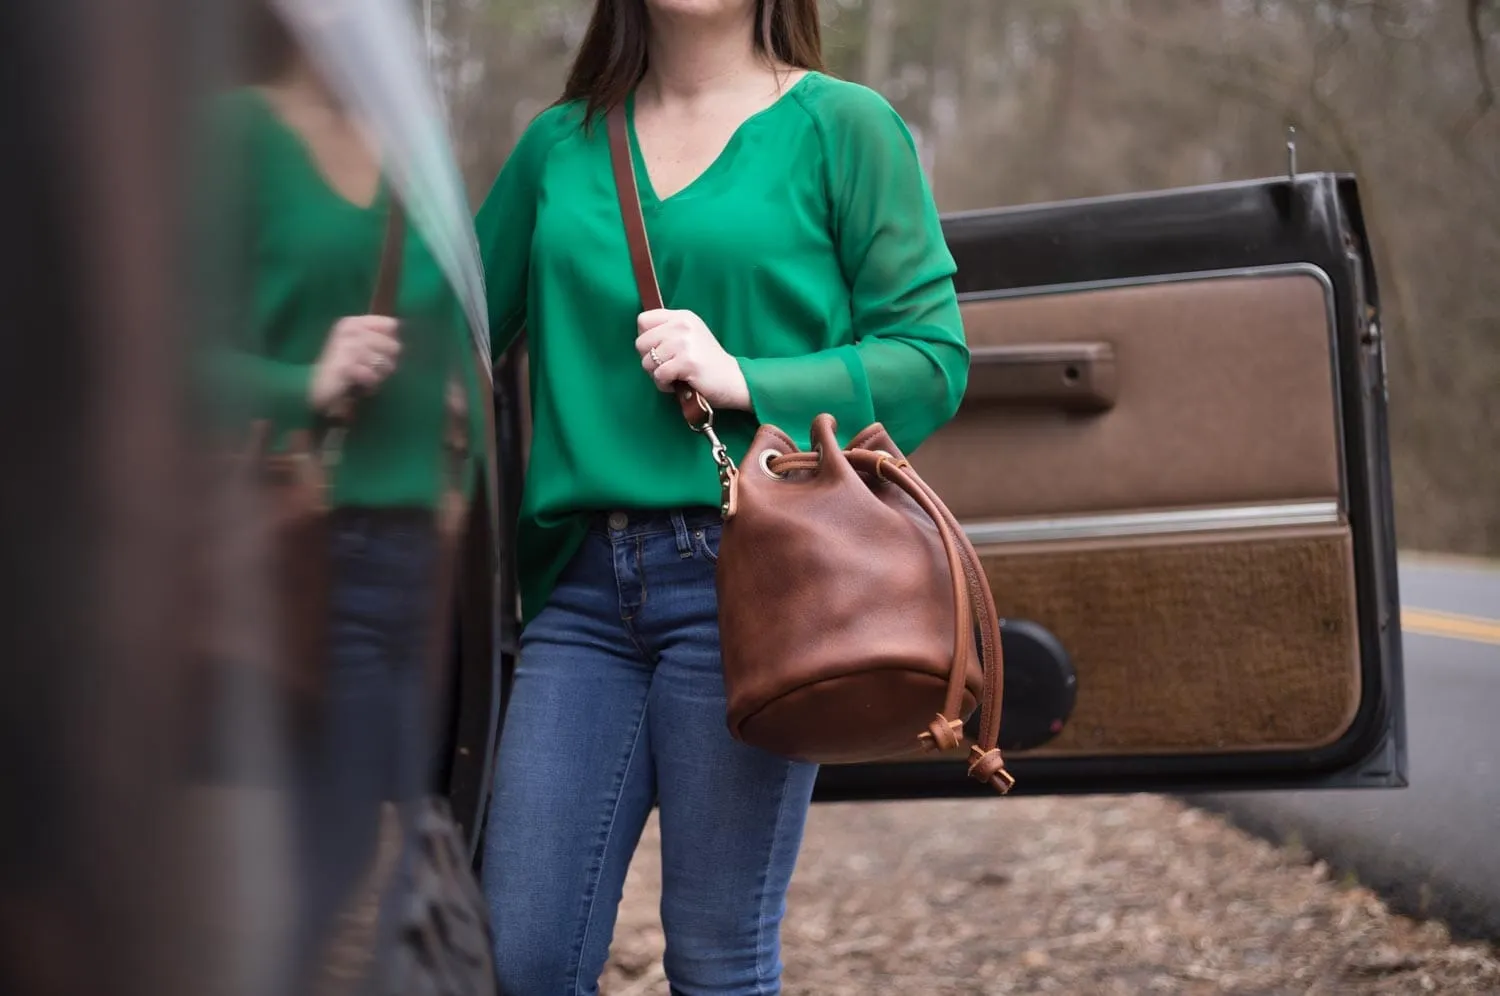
(1434, 848)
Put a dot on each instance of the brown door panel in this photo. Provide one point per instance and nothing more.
(1210, 391)
(1225, 642)
(1151, 472)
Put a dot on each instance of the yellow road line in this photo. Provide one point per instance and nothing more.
(1429, 623)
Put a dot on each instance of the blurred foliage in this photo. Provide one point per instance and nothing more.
(1027, 100)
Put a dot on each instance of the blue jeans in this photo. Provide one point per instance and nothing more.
(618, 703)
(372, 743)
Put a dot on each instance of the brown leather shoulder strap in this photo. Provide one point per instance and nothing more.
(382, 302)
(392, 251)
(694, 408)
(628, 191)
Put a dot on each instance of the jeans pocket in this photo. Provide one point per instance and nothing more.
(706, 543)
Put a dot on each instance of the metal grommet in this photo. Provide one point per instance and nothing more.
(766, 456)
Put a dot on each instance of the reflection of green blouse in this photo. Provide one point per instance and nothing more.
(309, 258)
(811, 247)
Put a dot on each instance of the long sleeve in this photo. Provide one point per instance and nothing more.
(273, 389)
(505, 224)
(238, 380)
(908, 366)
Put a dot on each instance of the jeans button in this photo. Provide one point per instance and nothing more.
(618, 521)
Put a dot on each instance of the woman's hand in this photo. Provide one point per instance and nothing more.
(676, 347)
(360, 352)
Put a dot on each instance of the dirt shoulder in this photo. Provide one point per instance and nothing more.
(1125, 895)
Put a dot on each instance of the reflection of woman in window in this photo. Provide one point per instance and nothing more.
(310, 209)
(790, 221)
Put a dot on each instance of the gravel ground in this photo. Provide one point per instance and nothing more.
(1124, 895)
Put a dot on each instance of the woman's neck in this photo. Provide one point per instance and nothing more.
(690, 58)
(302, 81)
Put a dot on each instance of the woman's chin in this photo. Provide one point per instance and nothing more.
(707, 9)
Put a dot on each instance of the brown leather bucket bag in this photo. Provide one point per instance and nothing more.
(849, 597)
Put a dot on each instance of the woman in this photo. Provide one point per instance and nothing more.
(302, 195)
(797, 242)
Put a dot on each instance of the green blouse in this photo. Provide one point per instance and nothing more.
(299, 257)
(811, 247)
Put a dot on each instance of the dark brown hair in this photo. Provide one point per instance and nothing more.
(269, 45)
(612, 58)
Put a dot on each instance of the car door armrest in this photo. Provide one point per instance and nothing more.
(1072, 376)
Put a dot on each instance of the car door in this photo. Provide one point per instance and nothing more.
(1172, 460)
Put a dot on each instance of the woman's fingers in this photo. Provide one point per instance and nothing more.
(674, 330)
(383, 325)
(361, 352)
(380, 345)
(362, 376)
(648, 320)
(371, 352)
(677, 348)
(377, 366)
(376, 340)
(670, 373)
(370, 341)
(364, 326)
(655, 338)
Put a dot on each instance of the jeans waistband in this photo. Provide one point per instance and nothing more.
(417, 524)
(647, 522)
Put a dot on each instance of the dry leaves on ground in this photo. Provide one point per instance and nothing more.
(1125, 895)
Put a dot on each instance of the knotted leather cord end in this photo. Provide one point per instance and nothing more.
(943, 734)
(989, 767)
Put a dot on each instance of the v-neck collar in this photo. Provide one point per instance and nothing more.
(310, 160)
(647, 186)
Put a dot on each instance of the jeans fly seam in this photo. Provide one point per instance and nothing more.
(636, 639)
(640, 568)
(627, 607)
